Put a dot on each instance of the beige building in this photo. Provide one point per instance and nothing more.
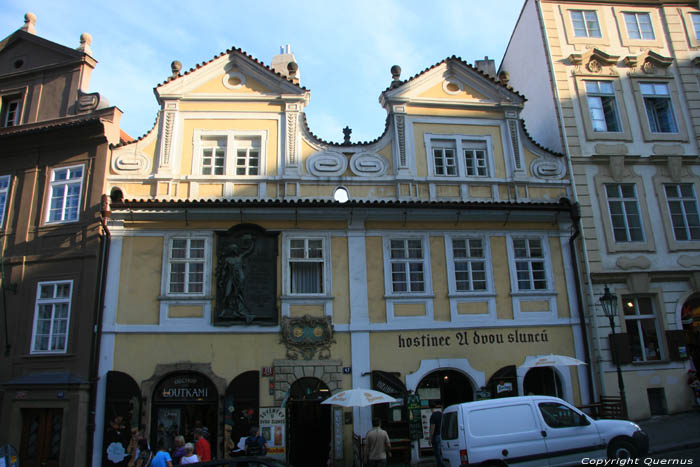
(255, 269)
(619, 79)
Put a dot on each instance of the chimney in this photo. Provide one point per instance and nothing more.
(282, 64)
(487, 66)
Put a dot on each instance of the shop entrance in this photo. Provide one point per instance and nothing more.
(41, 437)
(308, 423)
(183, 402)
(543, 381)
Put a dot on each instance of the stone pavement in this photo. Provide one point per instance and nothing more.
(670, 432)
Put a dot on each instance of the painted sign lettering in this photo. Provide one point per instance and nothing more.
(474, 337)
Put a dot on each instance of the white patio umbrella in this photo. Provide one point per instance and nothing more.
(551, 360)
(359, 398)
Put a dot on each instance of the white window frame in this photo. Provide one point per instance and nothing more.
(622, 200)
(586, 21)
(4, 197)
(637, 318)
(287, 260)
(652, 90)
(695, 21)
(520, 296)
(66, 183)
(655, 22)
(686, 204)
(425, 260)
(461, 144)
(234, 140)
(598, 96)
(52, 321)
(168, 261)
(627, 15)
(452, 260)
(545, 259)
(11, 116)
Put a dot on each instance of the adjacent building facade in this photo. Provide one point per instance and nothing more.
(254, 268)
(54, 147)
(619, 79)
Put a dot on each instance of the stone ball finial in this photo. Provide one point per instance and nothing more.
(175, 67)
(504, 77)
(29, 22)
(85, 41)
(395, 72)
(292, 68)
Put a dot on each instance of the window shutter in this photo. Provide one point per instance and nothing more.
(622, 348)
(677, 340)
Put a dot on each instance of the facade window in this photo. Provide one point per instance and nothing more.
(639, 26)
(11, 109)
(624, 212)
(530, 264)
(51, 317)
(657, 102)
(469, 264)
(642, 328)
(683, 209)
(213, 156)
(458, 156)
(306, 266)
(695, 17)
(602, 106)
(407, 265)
(186, 264)
(4, 195)
(585, 23)
(66, 186)
(247, 156)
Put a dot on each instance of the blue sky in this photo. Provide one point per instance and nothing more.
(344, 49)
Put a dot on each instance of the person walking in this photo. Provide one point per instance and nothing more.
(378, 445)
(190, 457)
(255, 445)
(162, 457)
(435, 438)
(201, 447)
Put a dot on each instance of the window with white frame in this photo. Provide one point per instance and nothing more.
(233, 153)
(407, 263)
(683, 209)
(624, 212)
(695, 17)
(64, 191)
(51, 317)
(642, 328)
(639, 25)
(11, 109)
(602, 106)
(458, 156)
(530, 264)
(187, 259)
(307, 264)
(468, 256)
(585, 23)
(4, 195)
(658, 106)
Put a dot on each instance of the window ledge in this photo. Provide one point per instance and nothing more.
(306, 297)
(533, 293)
(486, 294)
(49, 355)
(181, 298)
(410, 296)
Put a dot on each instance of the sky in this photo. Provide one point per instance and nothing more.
(344, 49)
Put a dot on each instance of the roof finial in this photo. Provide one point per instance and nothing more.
(346, 133)
(29, 22)
(395, 76)
(292, 69)
(85, 41)
(175, 67)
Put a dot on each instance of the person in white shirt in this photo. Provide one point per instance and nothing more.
(190, 457)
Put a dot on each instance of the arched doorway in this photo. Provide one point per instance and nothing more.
(241, 407)
(122, 415)
(437, 390)
(308, 423)
(184, 401)
(543, 381)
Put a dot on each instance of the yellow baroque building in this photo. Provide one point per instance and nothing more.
(255, 269)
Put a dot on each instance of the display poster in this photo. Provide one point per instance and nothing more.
(272, 428)
(424, 442)
(414, 421)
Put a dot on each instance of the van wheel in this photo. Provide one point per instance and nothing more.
(622, 449)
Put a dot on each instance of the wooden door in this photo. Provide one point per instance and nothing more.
(41, 437)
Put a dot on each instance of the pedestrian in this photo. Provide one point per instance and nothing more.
(378, 447)
(435, 425)
(145, 455)
(694, 384)
(162, 457)
(201, 446)
(190, 457)
(178, 449)
(255, 444)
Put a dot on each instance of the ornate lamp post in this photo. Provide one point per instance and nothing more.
(609, 303)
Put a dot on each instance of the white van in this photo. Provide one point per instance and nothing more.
(533, 430)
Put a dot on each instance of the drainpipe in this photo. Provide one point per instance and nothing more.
(575, 213)
(97, 332)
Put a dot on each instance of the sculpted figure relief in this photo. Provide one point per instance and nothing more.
(231, 276)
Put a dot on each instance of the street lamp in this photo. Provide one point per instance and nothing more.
(609, 303)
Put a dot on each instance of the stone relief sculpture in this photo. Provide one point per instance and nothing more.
(231, 278)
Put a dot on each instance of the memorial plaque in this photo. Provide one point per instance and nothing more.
(246, 277)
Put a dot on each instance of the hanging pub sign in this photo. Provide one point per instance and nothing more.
(185, 387)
